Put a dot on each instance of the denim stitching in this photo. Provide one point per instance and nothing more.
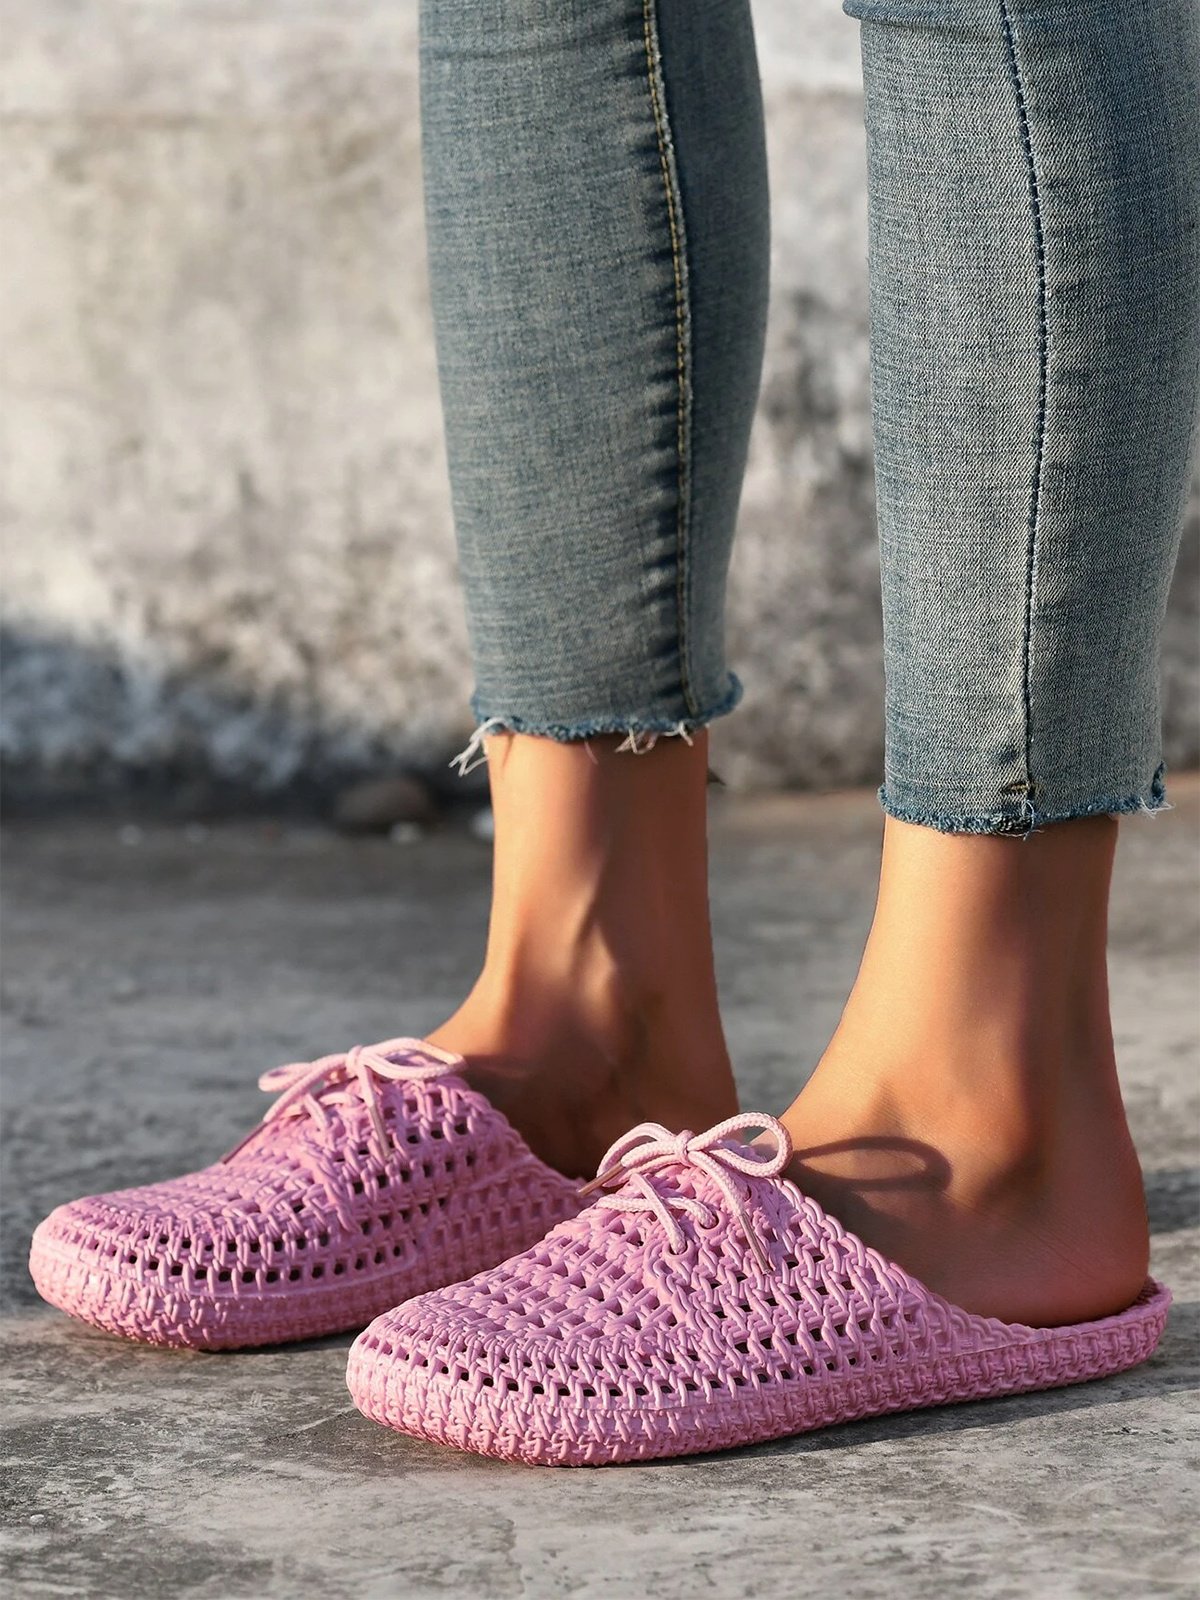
(682, 330)
(1035, 199)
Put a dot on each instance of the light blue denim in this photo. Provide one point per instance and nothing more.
(598, 223)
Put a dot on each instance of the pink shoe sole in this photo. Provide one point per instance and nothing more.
(377, 1175)
(737, 1311)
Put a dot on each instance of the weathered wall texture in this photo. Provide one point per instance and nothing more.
(229, 547)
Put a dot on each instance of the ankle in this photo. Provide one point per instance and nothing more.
(967, 1117)
(576, 1055)
(1017, 1056)
(1013, 1197)
(629, 1014)
(597, 1004)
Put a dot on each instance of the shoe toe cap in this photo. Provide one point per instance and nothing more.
(129, 1262)
(438, 1370)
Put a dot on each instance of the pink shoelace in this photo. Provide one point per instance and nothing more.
(348, 1077)
(650, 1147)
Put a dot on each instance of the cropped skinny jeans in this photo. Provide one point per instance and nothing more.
(598, 226)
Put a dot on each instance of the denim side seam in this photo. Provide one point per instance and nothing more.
(683, 335)
(1035, 493)
(641, 733)
(1024, 825)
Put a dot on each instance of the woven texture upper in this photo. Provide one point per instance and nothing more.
(377, 1174)
(703, 1300)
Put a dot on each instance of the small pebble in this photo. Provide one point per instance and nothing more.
(378, 804)
(130, 834)
(405, 833)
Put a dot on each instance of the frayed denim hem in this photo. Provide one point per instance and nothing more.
(1029, 819)
(641, 732)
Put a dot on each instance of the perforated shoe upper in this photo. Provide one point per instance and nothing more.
(376, 1174)
(701, 1300)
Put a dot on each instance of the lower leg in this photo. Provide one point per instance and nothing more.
(966, 1117)
(605, 163)
(597, 1003)
(1031, 463)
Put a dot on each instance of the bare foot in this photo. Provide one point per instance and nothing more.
(1038, 1225)
(966, 1118)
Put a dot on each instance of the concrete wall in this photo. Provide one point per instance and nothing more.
(229, 549)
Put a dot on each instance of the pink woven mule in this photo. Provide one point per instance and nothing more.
(703, 1302)
(375, 1175)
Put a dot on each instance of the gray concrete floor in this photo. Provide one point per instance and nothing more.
(148, 980)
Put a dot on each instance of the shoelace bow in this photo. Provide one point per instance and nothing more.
(347, 1078)
(650, 1148)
